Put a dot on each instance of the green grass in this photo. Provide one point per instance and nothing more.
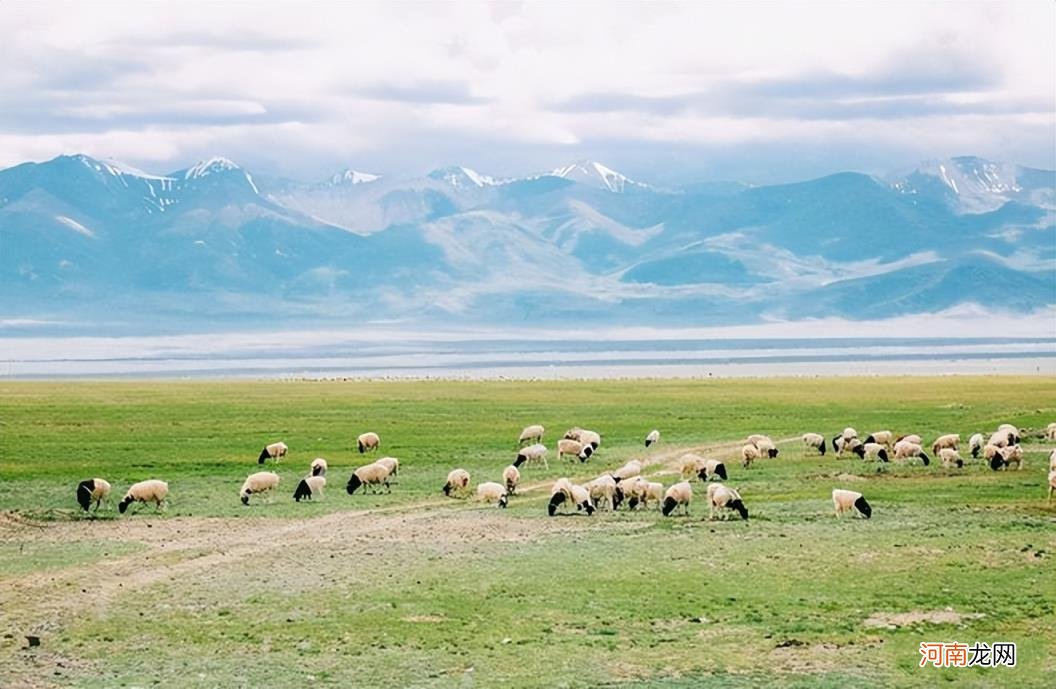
(454, 594)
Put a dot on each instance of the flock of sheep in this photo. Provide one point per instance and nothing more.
(611, 489)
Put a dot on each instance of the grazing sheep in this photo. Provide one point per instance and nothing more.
(258, 483)
(720, 495)
(371, 475)
(490, 492)
(574, 448)
(885, 438)
(635, 489)
(1013, 433)
(145, 491)
(843, 445)
(457, 482)
(871, 451)
(690, 464)
(391, 463)
(654, 491)
(573, 433)
(274, 451)
(1050, 432)
(532, 434)
(679, 494)
(653, 437)
(815, 441)
(605, 491)
(847, 500)
(563, 490)
(532, 453)
(907, 450)
(711, 469)
(764, 443)
(1013, 454)
(847, 435)
(512, 477)
(309, 487)
(989, 453)
(318, 467)
(1052, 484)
(975, 444)
(1052, 461)
(368, 442)
(584, 436)
(912, 437)
(632, 468)
(1001, 438)
(951, 440)
(750, 453)
(950, 457)
(93, 490)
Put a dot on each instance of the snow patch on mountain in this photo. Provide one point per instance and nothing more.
(595, 174)
(353, 177)
(208, 167)
(75, 226)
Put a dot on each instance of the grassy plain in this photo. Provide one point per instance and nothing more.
(415, 590)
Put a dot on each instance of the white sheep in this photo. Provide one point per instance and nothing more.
(95, 490)
(975, 444)
(750, 453)
(274, 451)
(1050, 432)
(907, 450)
(490, 492)
(871, 451)
(654, 491)
(581, 497)
(722, 496)
(391, 463)
(153, 490)
(712, 468)
(532, 453)
(574, 448)
(652, 438)
(885, 438)
(847, 500)
(605, 491)
(563, 490)
(512, 477)
(951, 440)
(632, 468)
(368, 442)
(309, 487)
(457, 483)
(318, 467)
(258, 483)
(912, 437)
(764, 443)
(532, 434)
(950, 457)
(815, 441)
(371, 475)
(679, 494)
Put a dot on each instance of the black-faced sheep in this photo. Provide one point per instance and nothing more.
(309, 488)
(512, 477)
(457, 483)
(1013, 432)
(652, 438)
(814, 441)
(904, 449)
(847, 500)
(564, 491)
(258, 483)
(368, 442)
(318, 467)
(370, 475)
(722, 496)
(490, 492)
(975, 444)
(1012, 454)
(679, 494)
(574, 448)
(951, 440)
(153, 490)
(95, 490)
(532, 453)
(871, 451)
(605, 491)
(950, 457)
(712, 468)
(847, 434)
(690, 464)
(274, 451)
(885, 438)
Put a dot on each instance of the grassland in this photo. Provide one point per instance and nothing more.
(414, 590)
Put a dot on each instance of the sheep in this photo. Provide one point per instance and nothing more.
(563, 490)
(630, 469)
(975, 444)
(846, 445)
(764, 443)
(847, 434)
(951, 440)
(368, 442)
(847, 500)
(912, 437)
(1013, 433)
(711, 469)
(1052, 461)
(690, 464)
(1052, 484)
(369, 475)
(153, 490)
(1004, 456)
(950, 457)
(815, 441)
(584, 436)
(1050, 432)
(907, 450)
(653, 437)
(653, 491)
(750, 453)
(604, 490)
(989, 454)
(871, 451)
(457, 482)
(274, 451)
(1001, 438)
(309, 487)
(391, 463)
(574, 448)
(532, 453)
(636, 490)
(533, 434)
(512, 477)
(679, 494)
(260, 482)
(94, 489)
(886, 438)
(318, 467)
(489, 492)
(720, 495)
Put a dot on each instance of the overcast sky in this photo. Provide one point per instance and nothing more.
(701, 91)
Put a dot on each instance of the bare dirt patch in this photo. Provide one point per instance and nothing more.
(904, 619)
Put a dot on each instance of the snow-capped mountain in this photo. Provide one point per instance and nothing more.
(87, 238)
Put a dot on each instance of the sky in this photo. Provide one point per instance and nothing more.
(664, 92)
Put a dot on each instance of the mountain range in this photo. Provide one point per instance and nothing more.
(88, 239)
